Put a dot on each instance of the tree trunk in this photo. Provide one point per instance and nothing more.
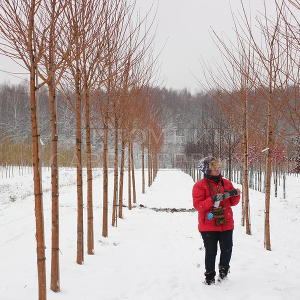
(276, 179)
(55, 284)
(129, 177)
(116, 171)
(260, 177)
(132, 172)
(80, 254)
(152, 167)
(229, 158)
(105, 179)
(121, 177)
(246, 164)
(284, 192)
(89, 173)
(143, 169)
(268, 179)
(55, 278)
(38, 194)
(149, 161)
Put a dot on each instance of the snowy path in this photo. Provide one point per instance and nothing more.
(153, 255)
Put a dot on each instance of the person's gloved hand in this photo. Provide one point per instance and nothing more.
(227, 194)
(218, 197)
(232, 193)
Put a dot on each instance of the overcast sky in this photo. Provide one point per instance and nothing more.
(183, 34)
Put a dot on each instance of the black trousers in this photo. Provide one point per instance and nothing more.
(211, 239)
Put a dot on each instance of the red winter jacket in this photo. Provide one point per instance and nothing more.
(203, 203)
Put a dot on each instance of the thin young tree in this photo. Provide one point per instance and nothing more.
(92, 57)
(19, 28)
(53, 64)
(80, 22)
(270, 56)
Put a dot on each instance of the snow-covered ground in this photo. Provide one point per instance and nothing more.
(150, 255)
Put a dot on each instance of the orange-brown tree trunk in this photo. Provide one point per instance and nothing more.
(151, 167)
(38, 193)
(116, 171)
(132, 172)
(55, 278)
(246, 166)
(80, 251)
(89, 171)
(149, 161)
(121, 176)
(143, 168)
(105, 178)
(129, 176)
(268, 179)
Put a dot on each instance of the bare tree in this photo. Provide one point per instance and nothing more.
(19, 27)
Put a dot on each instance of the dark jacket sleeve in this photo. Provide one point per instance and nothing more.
(200, 201)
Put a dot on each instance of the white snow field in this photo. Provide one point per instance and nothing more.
(150, 255)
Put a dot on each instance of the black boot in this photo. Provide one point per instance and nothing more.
(210, 277)
(223, 272)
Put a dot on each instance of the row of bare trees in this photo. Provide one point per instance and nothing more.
(257, 88)
(99, 55)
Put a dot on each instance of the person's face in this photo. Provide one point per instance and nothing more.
(215, 169)
(215, 172)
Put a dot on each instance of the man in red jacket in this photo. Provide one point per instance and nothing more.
(213, 197)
